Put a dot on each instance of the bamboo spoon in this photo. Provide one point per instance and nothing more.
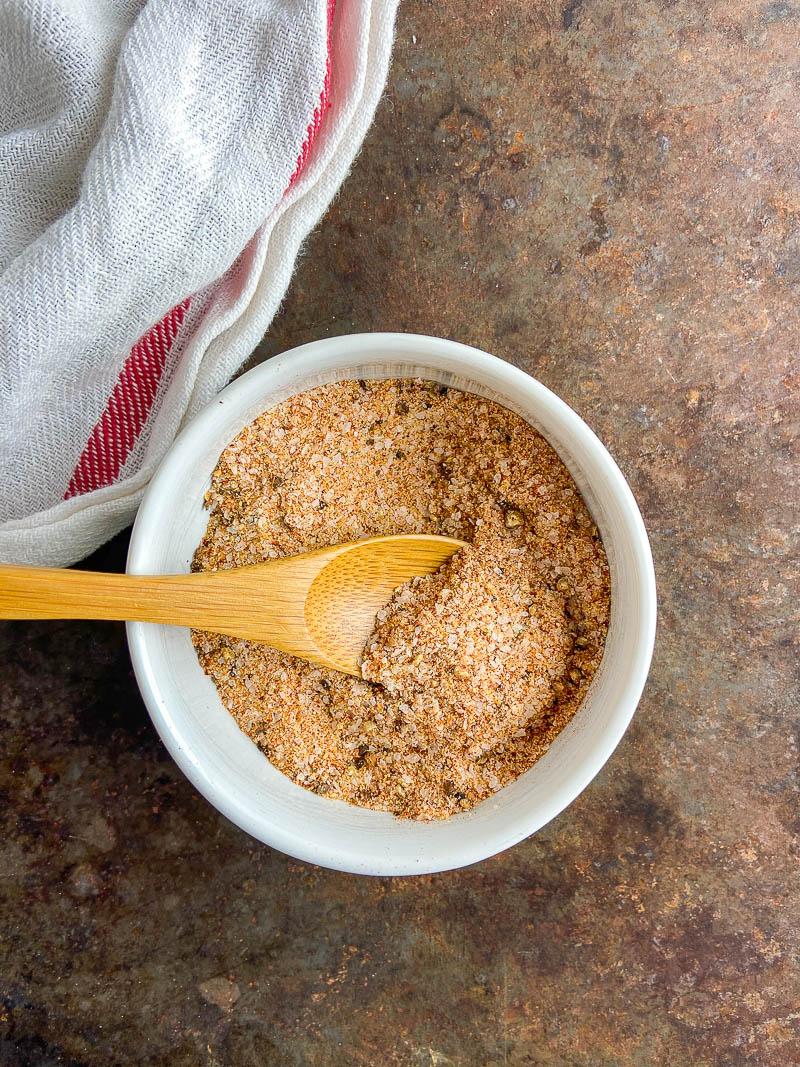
(320, 605)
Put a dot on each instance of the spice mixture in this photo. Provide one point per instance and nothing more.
(471, 672)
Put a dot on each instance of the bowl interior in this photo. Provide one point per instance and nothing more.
(229, 769)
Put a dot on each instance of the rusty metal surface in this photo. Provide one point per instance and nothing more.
(608, 196)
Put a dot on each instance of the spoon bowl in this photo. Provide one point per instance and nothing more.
(356, 582)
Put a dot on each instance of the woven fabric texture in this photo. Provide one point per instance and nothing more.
(161, 163)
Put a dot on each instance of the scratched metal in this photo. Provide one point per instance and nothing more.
(608, 196)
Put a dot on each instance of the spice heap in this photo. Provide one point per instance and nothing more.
(473, 649)
(471, 672)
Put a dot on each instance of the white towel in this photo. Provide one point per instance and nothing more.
(160, 163)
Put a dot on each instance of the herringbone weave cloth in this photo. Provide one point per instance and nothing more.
(161, 162)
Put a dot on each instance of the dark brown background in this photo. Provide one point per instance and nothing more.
(607, 195)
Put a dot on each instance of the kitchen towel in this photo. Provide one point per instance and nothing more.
(161, 162)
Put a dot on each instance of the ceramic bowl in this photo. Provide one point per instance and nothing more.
(228, 768)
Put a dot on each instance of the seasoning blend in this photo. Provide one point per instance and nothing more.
(471, 672)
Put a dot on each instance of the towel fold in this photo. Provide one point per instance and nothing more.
(160, 164)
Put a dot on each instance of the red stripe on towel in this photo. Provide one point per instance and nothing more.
(324, 103)
(121, 423)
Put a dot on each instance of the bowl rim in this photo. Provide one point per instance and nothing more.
(304, 358)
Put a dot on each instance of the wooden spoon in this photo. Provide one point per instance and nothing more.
(320, 605)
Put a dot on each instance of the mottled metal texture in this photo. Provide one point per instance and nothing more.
(607, 195)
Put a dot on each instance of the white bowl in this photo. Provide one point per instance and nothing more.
(228, 768)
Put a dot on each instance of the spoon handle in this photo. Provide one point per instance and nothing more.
(264, 602)
(52, 593)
